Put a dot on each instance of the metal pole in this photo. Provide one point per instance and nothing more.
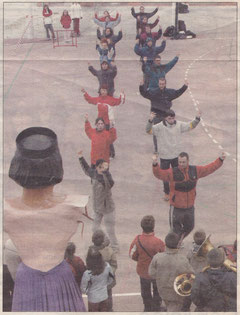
(176, 19)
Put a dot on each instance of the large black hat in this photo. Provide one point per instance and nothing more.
(37, 161)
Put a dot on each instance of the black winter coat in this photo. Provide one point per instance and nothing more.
(215, 290)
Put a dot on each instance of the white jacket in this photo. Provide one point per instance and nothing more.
(76, 11)
(169, 137)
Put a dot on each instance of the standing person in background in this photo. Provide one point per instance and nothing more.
(66, 23)
(76, 15)
(76, 263)
(47, 20)
(95, 281)
(142, 250)
(108, 256)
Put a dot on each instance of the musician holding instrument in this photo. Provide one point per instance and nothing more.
(215, 288)
(165, 267)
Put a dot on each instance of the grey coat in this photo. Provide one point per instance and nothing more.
(101, 188)
(165, 267)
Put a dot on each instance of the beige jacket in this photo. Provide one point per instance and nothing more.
(165, 267)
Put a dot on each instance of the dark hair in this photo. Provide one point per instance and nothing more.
(104, 86)
(98, 119)
(98, 237)
(144, 16)
(162, 79)
(148, 223)
(37, 162)
(104, 61)
(184, 154)
(170, 113)
(171, 240)
(199, 236)
(94, 261)
(99, 162)
(70, 250)
(157, 57)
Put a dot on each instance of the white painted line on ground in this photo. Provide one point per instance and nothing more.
(234, 160)
(203, 124)
(206, 130)
(228, 154)
(220, 147)
(215, 141)
(209, 134)
(121, 294)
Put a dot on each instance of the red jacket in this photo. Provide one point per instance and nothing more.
(78, 267)
(66, 21)
(103, 102)
(46, 14)
(152, 244)
(181, 199)
(103, 18)
(101, 141)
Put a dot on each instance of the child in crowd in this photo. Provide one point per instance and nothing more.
(76, 263)
(66, 23)
(109, 256)
(95, 281)
(106, 53)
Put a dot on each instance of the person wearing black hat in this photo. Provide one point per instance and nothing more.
(40, 224)
(167, 136)
(165, 267)
(215, 289)
(105, 75)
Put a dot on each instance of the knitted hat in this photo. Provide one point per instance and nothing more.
(216, 257)
(148, 223)
(171, 240)
(199, 237)
(37, 162)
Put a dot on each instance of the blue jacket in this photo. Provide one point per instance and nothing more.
(149, 52)
(155, 72)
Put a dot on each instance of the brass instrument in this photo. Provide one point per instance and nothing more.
(206, 247)
(183, 284)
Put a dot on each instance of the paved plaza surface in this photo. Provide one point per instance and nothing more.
(42, 88)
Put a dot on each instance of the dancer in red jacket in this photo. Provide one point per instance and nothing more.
(183, 180)
(100, 140)
(106, 14)
(66, 23)
(105, 104)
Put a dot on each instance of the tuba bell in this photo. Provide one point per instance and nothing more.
(205, 247)
(183, 284)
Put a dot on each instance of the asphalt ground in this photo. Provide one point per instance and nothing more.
(42, 88)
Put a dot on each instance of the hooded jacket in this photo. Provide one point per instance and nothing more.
(149, 52)
(179, 198)
(105, 77)
(100, 142)
(215, 290)
(161, 100)
(66, 21)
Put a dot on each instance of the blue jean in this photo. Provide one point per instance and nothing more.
(49, 27)
(151, 300)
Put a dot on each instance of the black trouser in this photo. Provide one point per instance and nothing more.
(181, 220)
(156, 120)
(49, 27)
(111, 147)
(152, 302)
(164, 165)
